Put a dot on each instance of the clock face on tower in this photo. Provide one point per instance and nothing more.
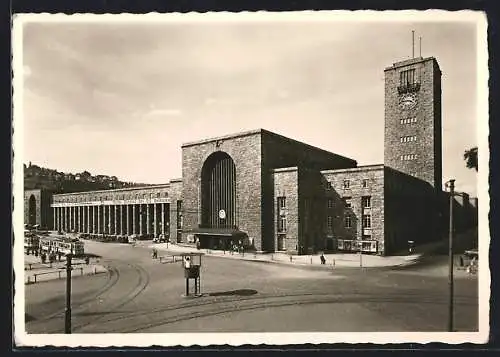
(408, 101)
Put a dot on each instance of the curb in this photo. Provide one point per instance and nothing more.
(306, 266)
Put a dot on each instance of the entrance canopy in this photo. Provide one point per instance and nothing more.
(221, 232)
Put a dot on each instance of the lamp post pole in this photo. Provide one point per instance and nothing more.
(450, 258)
(67, 315)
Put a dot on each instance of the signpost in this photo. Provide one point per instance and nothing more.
(192, 264)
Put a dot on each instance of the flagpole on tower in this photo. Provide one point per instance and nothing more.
(412, 43)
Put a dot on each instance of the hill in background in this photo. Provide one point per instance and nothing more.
(36, 177)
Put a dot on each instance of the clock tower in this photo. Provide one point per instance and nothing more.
(412, 141)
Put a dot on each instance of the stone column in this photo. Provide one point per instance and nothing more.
(122, 231)
(127, 212)
(148, 220)
(99, 208)
(133, 219)
(155, 222)
(163, 219)
(77, 218)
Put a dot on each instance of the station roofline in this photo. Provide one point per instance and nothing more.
(223, 137)
(355, 169)
(265, 132)
(154, 186)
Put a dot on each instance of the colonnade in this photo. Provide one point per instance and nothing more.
(150, 219)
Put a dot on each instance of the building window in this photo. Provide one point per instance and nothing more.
(365, 183)
(281, 203)
(282, 224)
(408, 139)
(347, 202)
(366, 201)
(409, 157)
(330, 203)
(407, 78)
(408, 120)
(347, 184)
(347, 222)
(329, 222)
(179, 214)
(367, 221)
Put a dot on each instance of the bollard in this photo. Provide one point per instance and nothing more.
(291, 259)
(35, 278)
(311, 259)
(81, 271)
(29, 280)
(59, 273)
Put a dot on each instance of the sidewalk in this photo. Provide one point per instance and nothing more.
(35, 271)
(332, 260)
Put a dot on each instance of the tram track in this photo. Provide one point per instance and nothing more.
(113, 276)
(142, 283)
(212, 307)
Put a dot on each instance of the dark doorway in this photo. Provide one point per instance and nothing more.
(32, 211)
(218, 191)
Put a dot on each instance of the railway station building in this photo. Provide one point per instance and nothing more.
(278, 194)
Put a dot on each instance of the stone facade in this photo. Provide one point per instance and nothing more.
(351, 187)
(284, 195)
(413, 119)
(37, 208)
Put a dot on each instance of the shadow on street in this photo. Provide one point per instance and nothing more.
(239, 292)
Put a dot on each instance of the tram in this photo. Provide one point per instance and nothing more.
(31, 242)
(61, 245)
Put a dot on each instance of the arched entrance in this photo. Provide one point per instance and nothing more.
(218, 201)
(218, 191)
(32, 211)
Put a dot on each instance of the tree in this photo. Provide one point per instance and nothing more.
(470, 157)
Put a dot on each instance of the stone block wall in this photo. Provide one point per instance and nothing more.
(421, 120)
(245, 150)
(374, 176)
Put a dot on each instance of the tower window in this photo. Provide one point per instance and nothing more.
(408, 139)
(347, 184)
(282, 202)
(366, 201)
(407, 78)
(365, 183)
(347, 202)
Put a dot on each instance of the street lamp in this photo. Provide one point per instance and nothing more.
(67, 312)
(451, 185)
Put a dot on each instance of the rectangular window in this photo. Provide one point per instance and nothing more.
(329, 222)
(347, 222)
(365, 183)
(282, 224)
(347, 184)
(407, 78)
(366, 201)
(282, 202)
(179, 214)
(347, 202)
(367, 221)
(330, 203)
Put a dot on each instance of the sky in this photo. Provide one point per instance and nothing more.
(120, 98)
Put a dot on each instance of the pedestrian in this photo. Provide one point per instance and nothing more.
(43, 258)
(87, 260)
(322, 258)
